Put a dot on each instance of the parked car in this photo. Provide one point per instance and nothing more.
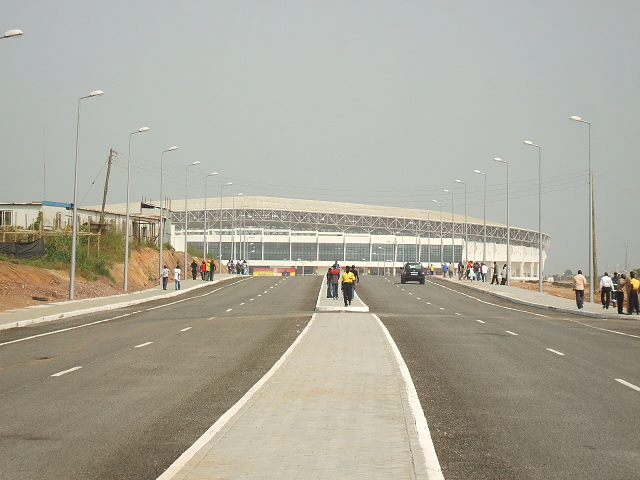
(413, 272)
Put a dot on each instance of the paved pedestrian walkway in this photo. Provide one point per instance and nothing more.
(539, 299)
(337, 405)
(21, 317)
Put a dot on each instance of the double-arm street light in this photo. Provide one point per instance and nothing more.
(508, 226)
(186, 212)
(74, 231)
(127, 227)
(453, 229)
(466, 240)
(233, 225)
(12, 33)
(228, 184)
(484, 229)
(212, 174)
(161, 233)
(592, 270)
(441, 233)
(531, 144)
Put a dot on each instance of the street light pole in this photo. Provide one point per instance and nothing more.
(204, 247)
(74, 231)
(591, 265)
(531, 144)
(186, 213)
(508, 226)
(161, 233)
(233, 225)
(484, 228)
(220, 235)
(466, 223)
(453, 230)
(126, 228)
(441, 233)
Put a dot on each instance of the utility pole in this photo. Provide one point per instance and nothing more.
(106, 184)
(595, 250)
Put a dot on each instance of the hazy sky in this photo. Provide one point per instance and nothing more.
(380, 102)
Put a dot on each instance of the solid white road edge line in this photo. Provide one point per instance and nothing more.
(630, 385)
(59, 374)
(222, 421)
(424, 435)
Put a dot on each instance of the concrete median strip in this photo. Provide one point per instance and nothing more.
(340, 403)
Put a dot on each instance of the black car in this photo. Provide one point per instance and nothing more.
(413, 272)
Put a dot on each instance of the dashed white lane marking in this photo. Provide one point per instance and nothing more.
(428, 303)
(143, 345)
(627, 384)
(64, 372)
(480, 321)
(185, 329)
(456, 313)
(266, 291)
(211, 318)
(556, 352)
(259, 294)
(242, 303)
(229, 309)
(418, 298)
(441, 308)
(251, 299)
(511, 333)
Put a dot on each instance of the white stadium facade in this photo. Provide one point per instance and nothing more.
(311, 235)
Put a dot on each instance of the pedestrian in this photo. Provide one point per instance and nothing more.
(194, 269)
(614, 292)
(230, 266)
(203, 270)
(165, 277)
(329, 294)
(245, 267)
(622, 285)
(357, 280)
(579, 282)
(212, 269)
(504, 274)
(445, 270)
(606, 286)
(347, 286)
(484, 269)
(177, 273)
(335, 280)
(634, 306)
(494, 277)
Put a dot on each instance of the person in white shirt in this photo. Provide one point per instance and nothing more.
(165, 277)
(606, 286)
(177, 274)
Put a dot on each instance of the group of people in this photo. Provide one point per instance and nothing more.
(613, 291)
(348, 280)
(479, 271)
(177, 277)
(239, 267)
(207, 269)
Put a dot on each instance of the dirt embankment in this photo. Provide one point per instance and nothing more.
(21, 283)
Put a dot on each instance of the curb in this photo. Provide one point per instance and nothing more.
(112, 306)
(603, 316)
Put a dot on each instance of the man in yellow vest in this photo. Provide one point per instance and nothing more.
(348, 279)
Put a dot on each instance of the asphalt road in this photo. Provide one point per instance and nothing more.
(513, 392)
(122, 394)
(509, 392)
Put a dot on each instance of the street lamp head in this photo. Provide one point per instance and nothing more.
(500, 160)
(195, 163)
(171, 149)
(240, 194)
(575, 118)
(212, 173)
(143, 129)
(446, 191)
(436, 201)
(459, 181)
(478, 172)
(13, 33)
(96, 93)
(530, 143)
(227, 184)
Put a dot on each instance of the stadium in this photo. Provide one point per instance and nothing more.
(307, 236)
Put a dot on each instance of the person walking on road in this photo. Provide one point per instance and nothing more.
(634, 286)
(621, 287)
(494, 277)
(347, 286)
(177, 274)
(334, 280)
(165, 277)
(329, 294)
(203, 270)
(212, 269)
(579, 282)
(194, 269)
(606, 286)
